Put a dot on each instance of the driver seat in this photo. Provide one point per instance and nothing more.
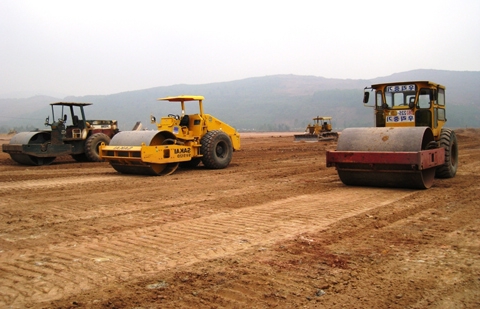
(185, 121)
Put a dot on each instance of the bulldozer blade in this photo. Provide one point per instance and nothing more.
(305, 138)
(328, 137)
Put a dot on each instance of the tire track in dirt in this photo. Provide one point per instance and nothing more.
(424, 224)
(55, 182)
(67, 268)
(236, 295)
(87, 221)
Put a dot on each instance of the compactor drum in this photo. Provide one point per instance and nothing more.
(71, 134)
(409, 146)
(182, 140)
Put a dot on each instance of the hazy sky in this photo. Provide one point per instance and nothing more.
(103, 47)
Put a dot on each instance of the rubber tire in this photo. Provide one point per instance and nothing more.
(92, 144)
(216, 149)
(448, 140)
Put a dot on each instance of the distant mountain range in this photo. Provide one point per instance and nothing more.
(269, 103)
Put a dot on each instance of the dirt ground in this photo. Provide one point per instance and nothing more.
(276, 229)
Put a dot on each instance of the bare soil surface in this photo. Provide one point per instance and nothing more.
(276, 229)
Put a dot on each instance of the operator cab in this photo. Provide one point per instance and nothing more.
(407, 104)
(73, 129)
(186, 126)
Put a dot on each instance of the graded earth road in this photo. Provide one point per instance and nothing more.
(276, 229)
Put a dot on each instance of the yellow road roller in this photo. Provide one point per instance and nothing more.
(409, 145)
(182, 140)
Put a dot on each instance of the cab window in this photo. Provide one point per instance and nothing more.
(424, 98)
(441, 114)
(399, 99)
(441, 97)
(379, 100)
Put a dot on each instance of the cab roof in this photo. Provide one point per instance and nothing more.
(183, 98)
(322, 118)
(375, 86)
(70, 104)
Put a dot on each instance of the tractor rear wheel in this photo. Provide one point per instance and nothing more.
(216, 149)
(448, 140)
(92, 145)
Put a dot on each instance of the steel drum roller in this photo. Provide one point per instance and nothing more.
(412, 139)
(24, 139)
(136, 138)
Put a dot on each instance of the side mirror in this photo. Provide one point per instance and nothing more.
(153, 119)
(47, 121)
(366, 96)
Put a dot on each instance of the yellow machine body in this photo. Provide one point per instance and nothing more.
(410, 104)
(197, 125)
(184, 138)
(320, 130)
(320, 124)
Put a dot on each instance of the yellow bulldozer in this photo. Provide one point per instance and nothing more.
(182, 140)
(409, 145)
(321, 130)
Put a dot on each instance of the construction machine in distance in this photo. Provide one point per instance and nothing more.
(409, 145)
(321, 130)
(182, 140)
(75, 136)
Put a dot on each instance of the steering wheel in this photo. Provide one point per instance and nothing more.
(174, 116)
(64, 119)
